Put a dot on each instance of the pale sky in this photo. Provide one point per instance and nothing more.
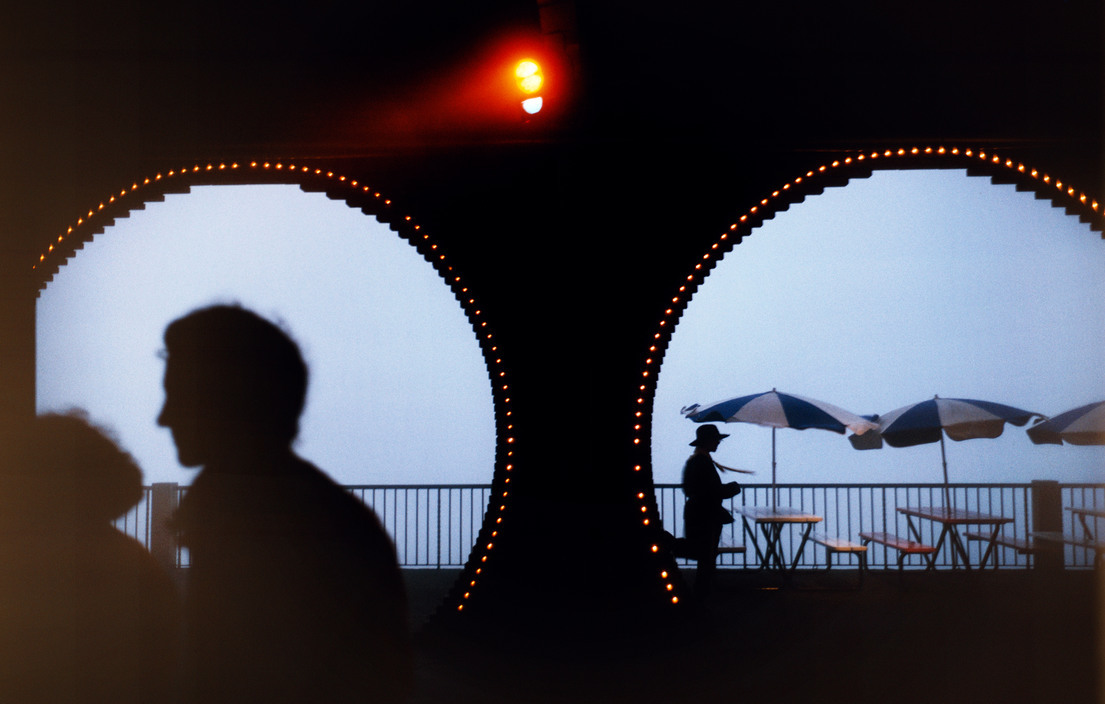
(887, 292)
(399, 391)
(870, 297)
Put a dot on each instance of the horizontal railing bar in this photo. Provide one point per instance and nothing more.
(414, 486)
(900, 485)
(436, 525)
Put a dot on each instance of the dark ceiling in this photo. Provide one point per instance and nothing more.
(211, 79)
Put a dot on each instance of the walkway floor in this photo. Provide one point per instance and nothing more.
(1011, 636)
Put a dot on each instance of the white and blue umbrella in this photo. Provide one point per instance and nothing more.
(779, 410)
(958, 418)
(1084, 425)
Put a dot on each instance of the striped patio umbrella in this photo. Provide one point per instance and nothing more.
(779, 410)
(958, 418)
(1084, 425)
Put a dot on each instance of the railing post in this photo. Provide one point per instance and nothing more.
(163, 539)
(1047, 515)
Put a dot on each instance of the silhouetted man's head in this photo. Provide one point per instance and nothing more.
(233, 382)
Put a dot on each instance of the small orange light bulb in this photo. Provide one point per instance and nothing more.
(526, 68)
(531, 84)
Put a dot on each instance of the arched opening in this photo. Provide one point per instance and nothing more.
(407, 390)
(932, 273)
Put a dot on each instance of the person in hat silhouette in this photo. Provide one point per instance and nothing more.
(703, 513)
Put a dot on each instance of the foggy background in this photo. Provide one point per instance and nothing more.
(886, 292)
(398, 392)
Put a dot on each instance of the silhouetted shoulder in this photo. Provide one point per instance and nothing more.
(290, 541)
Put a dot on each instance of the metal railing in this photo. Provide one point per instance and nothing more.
(431, 525)
(435, 526)
(136, 522)
(847, 509)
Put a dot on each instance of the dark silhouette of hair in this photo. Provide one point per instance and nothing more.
(246, 369)
(95, 479)
(86, 613)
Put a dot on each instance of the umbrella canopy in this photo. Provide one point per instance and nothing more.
(958, 418)
(1084, 425)
(779, 410)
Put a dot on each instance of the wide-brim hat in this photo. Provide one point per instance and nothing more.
(708, 434)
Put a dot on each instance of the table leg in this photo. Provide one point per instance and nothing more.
(913, 529)
(751, 533)
(958, 548)
(802, 546)
(1086, 526)
(930, 558)
(990, 544)
(940, 546)
(773, 533)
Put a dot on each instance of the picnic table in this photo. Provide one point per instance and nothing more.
(771, 521)
(951, 520)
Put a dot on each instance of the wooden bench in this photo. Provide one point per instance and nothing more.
(904, 546)
(1023, 546)
(1057, 537)
(729, 550)
(842, 545)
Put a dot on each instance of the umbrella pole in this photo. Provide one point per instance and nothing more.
(774, 490)
(944, 459)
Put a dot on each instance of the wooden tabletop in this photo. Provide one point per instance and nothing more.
(954, 516)
(779, 514)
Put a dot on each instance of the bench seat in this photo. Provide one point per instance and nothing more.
(1057, 537)
(842, 545)
(730, 550)
(1023, 546)
(837, 544)
(904, 546)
